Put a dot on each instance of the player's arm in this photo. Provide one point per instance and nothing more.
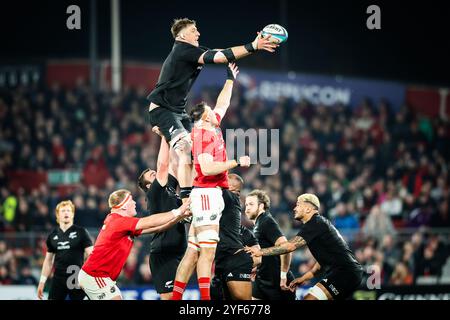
(45, 273)
(306, 277)
(224, 99)
(162, 163)
(238, 52)
(161, 219)
(161, 228)
(88, 251)
(256, 260)
(210, 167)
(285, 259)
(285, 247)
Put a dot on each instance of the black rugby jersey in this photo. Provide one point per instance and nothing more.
(178, 74)
(327, 245)
(229, 226)
(267, 232)
(68, 247)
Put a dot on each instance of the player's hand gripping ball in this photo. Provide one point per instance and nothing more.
(277, 33)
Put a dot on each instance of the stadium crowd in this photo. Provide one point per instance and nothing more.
(377, 170)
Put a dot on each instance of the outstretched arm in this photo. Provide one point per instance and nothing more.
(283, 248)
(238, 52)
(162, 219)
(224, 98)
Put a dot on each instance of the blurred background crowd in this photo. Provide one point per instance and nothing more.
(381, 175)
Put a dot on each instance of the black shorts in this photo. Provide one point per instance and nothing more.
(171, 124)
(59, 290)
(163, 267)
(341, 284)
(236, 267)
(268, 290)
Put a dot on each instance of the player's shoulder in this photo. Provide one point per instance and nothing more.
(53, 232)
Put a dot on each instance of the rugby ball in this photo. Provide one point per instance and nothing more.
(277, 32)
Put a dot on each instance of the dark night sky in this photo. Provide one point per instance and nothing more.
(327, 37)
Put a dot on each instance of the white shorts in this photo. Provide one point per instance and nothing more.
(206, 206)
(98, 288)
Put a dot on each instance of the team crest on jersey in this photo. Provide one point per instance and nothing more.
(213, 217)
(113, 290)
(73, 235)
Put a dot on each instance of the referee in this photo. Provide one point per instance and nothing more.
(166, 248)
(67, 245)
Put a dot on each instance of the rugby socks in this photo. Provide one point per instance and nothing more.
(204, 285)
(178, 289)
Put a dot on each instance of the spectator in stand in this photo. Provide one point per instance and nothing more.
(378, 224)
(401, 275)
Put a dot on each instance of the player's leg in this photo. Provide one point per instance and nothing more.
(338, 285)
(186, 266)
(175, 128)
(256, 292)
(207, 236)
(318, 292)
(206, 205)
(164, 268)
(240, 290)
(58, 289)
(182, 149)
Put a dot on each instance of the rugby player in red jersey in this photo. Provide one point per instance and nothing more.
(207, 204)
(99, 273)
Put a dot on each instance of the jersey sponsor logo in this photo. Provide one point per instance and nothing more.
(73, 235)
(198, 219)
(63, 245)
(244, 275)
(169, 284)
(333, 288)
(102, 296)
(55, 238)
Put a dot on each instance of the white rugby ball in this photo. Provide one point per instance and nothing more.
(277, 32)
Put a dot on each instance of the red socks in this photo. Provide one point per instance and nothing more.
(204, 285)
(178, 289)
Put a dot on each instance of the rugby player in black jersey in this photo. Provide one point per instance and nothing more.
(166, 248)
(179, 72)
(233, 266)
(342, 273)
(273, 275)
(67, 246)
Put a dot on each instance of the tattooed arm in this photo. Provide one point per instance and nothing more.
(283, 248)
